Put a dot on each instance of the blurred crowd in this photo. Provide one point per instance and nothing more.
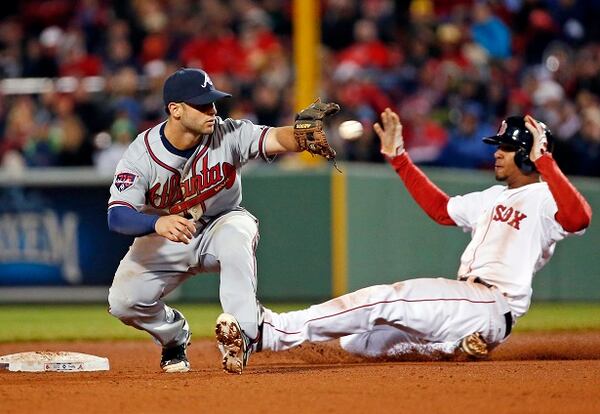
(452, 69)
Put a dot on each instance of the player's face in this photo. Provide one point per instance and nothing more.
(504, 166)
(199, 119)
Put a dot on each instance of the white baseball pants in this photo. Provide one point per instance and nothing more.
(414, 315)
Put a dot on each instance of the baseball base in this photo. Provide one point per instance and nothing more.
(53, 361)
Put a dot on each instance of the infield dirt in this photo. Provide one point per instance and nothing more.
(531, 373)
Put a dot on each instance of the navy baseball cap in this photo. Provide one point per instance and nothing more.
(191, 86)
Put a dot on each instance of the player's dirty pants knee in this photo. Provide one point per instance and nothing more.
(125, 310)
(151, 318)
(233, 245)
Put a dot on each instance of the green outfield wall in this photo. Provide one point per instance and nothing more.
(294, 251)
(322, 234)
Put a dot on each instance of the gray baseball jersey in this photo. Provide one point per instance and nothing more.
(151, 178)
(155, 178)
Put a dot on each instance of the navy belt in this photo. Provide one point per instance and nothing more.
(508, 319)
(476, 279)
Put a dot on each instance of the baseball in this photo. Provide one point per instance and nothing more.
(350, 130)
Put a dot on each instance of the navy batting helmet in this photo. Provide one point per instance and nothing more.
(514, 133)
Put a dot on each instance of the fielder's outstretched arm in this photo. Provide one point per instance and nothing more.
(427, 195)
(307, 134)
(281, 139)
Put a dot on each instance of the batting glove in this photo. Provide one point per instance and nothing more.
(540, 140)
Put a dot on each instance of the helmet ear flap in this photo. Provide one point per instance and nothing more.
(523, 162)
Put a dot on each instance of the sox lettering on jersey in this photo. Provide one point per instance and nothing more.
(180, 195)
(508, 215)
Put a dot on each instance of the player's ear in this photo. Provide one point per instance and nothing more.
(174, 109)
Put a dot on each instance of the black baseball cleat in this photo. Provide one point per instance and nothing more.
(174, 358)
(258, 342)
(234, 344)
(474, 346)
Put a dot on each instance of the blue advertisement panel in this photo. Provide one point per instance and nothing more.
(57, 236)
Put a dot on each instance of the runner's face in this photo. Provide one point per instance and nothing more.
(504, 165)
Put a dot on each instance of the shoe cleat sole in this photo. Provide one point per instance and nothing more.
(230, 343)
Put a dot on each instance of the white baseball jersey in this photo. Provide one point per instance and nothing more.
(153, 178)
(514, 234)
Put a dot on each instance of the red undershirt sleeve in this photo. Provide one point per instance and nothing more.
(427, 195)
(574, 213)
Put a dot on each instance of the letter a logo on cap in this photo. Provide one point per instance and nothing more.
(207, 80)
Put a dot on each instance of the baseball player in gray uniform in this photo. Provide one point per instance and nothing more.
(514, 229)
(178, 190)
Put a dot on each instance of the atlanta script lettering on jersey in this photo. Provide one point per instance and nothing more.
(508, 215)
(193, 190)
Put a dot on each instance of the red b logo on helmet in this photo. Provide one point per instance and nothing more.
(502, 129)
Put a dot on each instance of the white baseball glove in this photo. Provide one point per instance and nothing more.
(540, 140)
